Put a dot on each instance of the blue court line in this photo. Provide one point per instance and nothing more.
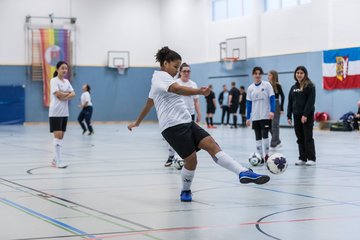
(46, 218)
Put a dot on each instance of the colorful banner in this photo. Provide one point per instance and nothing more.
(55, 47)
(341, 69)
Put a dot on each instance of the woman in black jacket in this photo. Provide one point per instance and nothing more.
(302, 107)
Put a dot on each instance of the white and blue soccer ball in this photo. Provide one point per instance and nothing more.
(255, 159)
(276, 163)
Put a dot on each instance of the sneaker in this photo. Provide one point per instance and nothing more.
(61, 165)
(250, 177)
(310, 163)
(169, 161)
(58, 164)
(264, 160)
(84, 131)
(212, 126)
(185, 196)
(300, 163)
(91, 133)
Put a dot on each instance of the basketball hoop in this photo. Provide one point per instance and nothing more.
(121, 69)
(229, 63)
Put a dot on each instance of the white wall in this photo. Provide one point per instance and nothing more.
(322, 24)
(184, 28)
(143, 26)
(128, 25)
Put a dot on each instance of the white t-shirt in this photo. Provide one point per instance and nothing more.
(86, 97)
(59, 108)
(170, 107)
(189, 100)
(260, 97)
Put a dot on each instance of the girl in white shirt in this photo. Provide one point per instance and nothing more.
(61, 92)
(260, 108)
(183, 134)
(86, 111)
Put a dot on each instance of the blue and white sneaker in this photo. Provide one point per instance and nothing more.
(250, 177)
(185, 196)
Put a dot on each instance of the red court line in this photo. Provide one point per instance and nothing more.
(217, 226)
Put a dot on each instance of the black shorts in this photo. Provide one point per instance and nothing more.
(261, 124)
(185, 138)
(210, 109)
(58, 123)
(234, 107)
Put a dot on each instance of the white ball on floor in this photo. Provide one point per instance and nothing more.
(178, 164)
(255, 159)
(276, 163)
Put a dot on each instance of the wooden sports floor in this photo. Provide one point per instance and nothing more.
(116, 187)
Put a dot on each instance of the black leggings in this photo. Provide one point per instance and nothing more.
(86, 114)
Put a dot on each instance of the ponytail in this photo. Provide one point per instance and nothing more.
(58, 65)
(166, 54)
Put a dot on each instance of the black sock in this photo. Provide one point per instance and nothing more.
(235, 121)
(207, 121)
(211, 121)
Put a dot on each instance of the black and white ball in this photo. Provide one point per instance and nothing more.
(178, 164)
(276, 163)
(255, 159)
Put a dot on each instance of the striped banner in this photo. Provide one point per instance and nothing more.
(341, 69)
(55, 47)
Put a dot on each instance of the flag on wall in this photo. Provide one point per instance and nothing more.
(54, 47)
(341, 69)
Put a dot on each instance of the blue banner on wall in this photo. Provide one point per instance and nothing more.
(12, 105)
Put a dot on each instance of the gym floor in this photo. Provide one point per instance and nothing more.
(116, 187)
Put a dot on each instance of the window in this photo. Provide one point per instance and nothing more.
(272, 5)
(247, 7)
(288, 3)
(226, 9)
(219, 10)
(277, 4)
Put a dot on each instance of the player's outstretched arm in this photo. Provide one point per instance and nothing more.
(149, 104)
(187, 91)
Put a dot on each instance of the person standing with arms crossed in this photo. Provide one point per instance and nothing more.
(177, 127)
(61, 92)
(273, 78)
(86, 111)
(301, 106)
(260, 108)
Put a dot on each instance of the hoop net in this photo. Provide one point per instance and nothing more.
(229, 63)
(121, 69)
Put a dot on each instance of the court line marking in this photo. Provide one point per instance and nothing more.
(45, 218)
(46, 196)
(74, 203)
(180, 229)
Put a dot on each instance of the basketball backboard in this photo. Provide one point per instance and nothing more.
(118, 58)
(233, 48)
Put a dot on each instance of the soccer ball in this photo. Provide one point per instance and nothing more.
(178, 164)
(255, 159)
(276, 163)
